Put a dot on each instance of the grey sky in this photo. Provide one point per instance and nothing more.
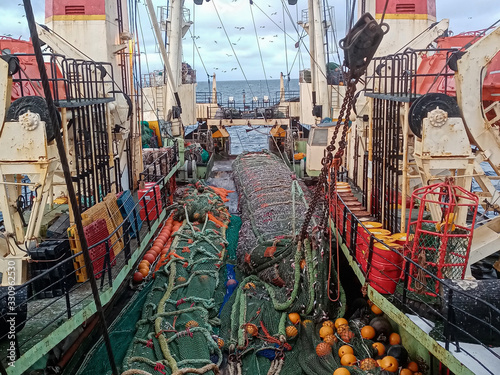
(216, 51)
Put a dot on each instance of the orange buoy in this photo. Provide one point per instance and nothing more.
(394, 339)
(345, 349)
(251, 329)
(328, 323)
(323, 349)
(376, 310)
(368, 332)
(325, 331)
(389, 363)
(413, 366)
(220, 343)
(144, 271)
(341, 371)
(380, 348)
(348, 360)
(138, 277)
(192, 324)
(149, 257)
(294, 318)
(330, 339)
(368, 364)
(341, 321)
(291, 331)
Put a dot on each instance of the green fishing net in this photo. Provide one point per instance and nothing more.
(179, 323)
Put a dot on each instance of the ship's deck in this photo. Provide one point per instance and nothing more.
(50, 321)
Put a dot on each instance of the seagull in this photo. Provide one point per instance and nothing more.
(275, 36)
(262, 37)
(262, 27)
(239, 28)
(219, 27)
(234, 69)
(228, 55)
(233, 44)
(272, 14)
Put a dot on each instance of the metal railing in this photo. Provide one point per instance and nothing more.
(397, 77)
(448, 310)
(253, 111)
(37, 321)
(158, 162)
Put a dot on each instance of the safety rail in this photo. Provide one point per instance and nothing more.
(158, 162)
(73, 82)
(444, 315)
(253, 111)
(40, 323)
(396, 76)
(207, 97)
(287, 96)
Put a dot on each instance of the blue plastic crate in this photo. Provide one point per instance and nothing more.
(127, 205)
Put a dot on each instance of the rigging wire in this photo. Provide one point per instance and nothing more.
(275, 24)
(199, 54)
(232, 48)
(149, 71)
(260, 52)
(351, 20)
(309, 52)
(385, 9)
(286, 49)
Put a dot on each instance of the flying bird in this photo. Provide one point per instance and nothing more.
(239, 28)
(272, 14)
(275, 36)
(234, 69)
(215, 41)
(262, 27)
(228, 55)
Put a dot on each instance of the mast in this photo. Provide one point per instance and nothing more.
(214, 90)
(175, 42)
(318, 65)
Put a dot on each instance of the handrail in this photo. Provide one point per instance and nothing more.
(76, 299)
(451, 308)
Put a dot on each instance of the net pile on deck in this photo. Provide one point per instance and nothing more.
(273, 207)
(282, 277)
(179, 319)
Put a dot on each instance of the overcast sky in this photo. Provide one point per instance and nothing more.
(271, 21)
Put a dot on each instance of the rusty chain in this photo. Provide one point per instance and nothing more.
(329, 158)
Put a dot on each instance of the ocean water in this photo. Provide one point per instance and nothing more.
(249, 89)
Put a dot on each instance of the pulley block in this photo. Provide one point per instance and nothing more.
(361, 43)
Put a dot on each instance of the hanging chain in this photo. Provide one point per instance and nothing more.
(328, 159)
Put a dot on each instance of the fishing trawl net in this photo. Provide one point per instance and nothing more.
(179, 324)
(281, 276)
(273, 205)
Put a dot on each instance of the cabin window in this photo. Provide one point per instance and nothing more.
(320, 137)
(74, 9)
(405, 8)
